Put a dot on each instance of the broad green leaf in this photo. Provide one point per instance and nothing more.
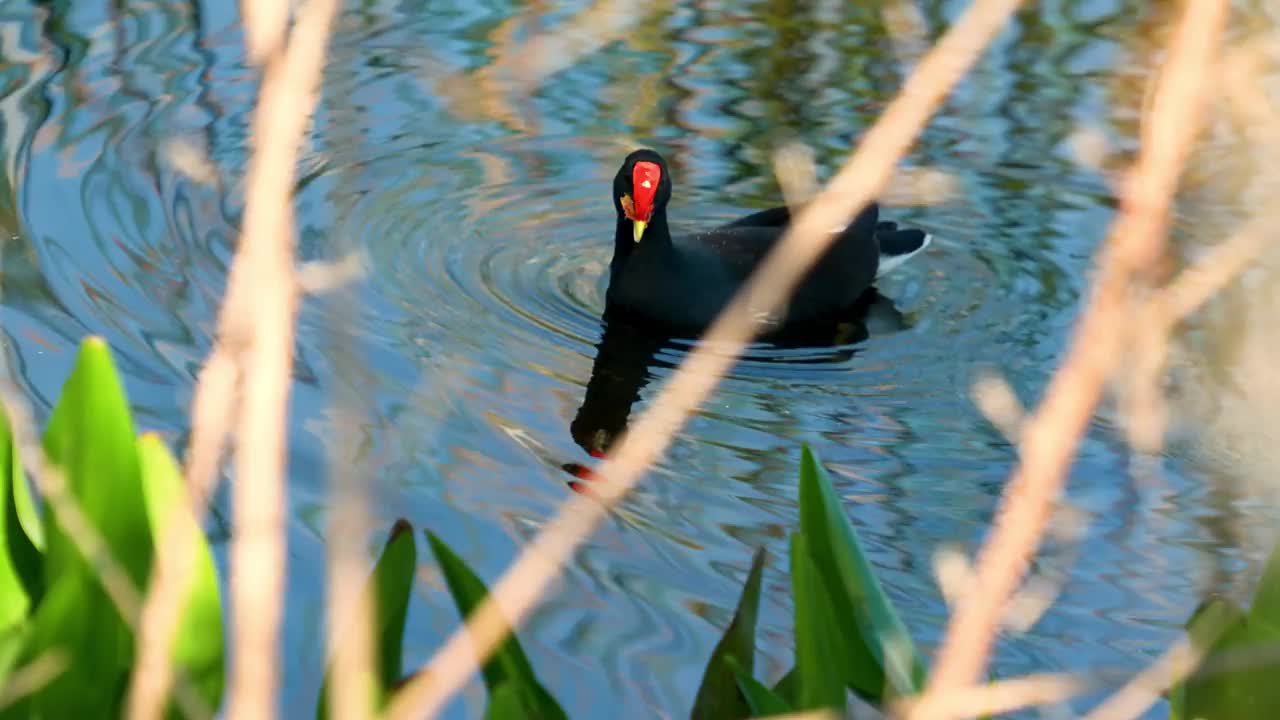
(24, 505)
(1221, 691)
(1266, 599)
(90, 437)
(508, 663)
(878, 641)
(505, 703)
(761, 700)
(77, 620)
(391, 584)
(198, 645)
(1210, 621)
(16, 551)
(821, 656)
(719, 696)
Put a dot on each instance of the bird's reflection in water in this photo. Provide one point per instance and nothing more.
(628, 351)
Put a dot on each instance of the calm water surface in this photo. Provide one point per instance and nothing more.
(474, 176)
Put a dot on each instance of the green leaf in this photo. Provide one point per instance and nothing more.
(505, 703)
(719, 695)
(1228, 635)
(785, 688)
(881, 649)
(393, 582)
(508, 663)
(90, 439)
(761, 700)
(391, 585)
(76, 620)
(821, 655)
(198, 645)
(19, 559)
(90, 436)
(1266, 599)
(24, 505)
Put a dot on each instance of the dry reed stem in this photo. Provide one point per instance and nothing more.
(212, 408)
(1003, 696)
(1178, 663)
(265, 23)
(290, 81)
(808, 715)
(175, 557)
(1143, 399)
(247, 378)
(354, 679)
(999, 404)
(1050, 436)
(1195, 285)
(523, 66)
(352, 689)
(31, 677)
(848, 192)
(1144, 689)
(290, 84)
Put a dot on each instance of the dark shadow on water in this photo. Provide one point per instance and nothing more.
(629, 350)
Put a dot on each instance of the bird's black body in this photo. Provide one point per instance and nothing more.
(680, 283)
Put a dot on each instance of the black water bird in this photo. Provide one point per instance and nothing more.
(680, 283)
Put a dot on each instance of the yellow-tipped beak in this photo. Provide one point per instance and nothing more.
(638, 226)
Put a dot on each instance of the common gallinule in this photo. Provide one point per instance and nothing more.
(681, 283)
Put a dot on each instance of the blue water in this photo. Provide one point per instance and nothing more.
(479, 197)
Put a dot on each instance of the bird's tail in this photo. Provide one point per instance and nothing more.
(898, 245)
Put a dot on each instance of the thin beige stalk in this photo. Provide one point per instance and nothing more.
(849, 191)
(172, 572)
(290, 84)
(1144, 689)
(31, 677)
(1050, 435)
(353, 678)
(996, 698)
(171, 578)
(246, 378)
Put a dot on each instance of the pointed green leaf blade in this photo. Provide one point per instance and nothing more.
(857, 595)
(1248, 690)
(24, 504)
(505, 703)
(785, 688)
(198, 645)
(90, 437)
(90, 443)
(761, 701)
(821, 658)
(76, 620)
(16, 551)
(1266, 599)
(508, 663)
(719, 695)
(391, 585)
(393, 578)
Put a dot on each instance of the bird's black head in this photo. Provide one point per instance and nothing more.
(641, 190)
